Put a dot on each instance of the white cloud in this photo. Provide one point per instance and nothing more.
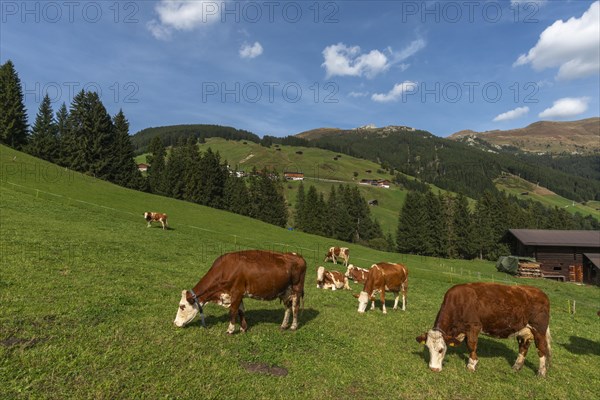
(251, 51)
(512, 114)
(573, 46)
(342, 60)
(395, 93)
(183, 15)
(566, 107)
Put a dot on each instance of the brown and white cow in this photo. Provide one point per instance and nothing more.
(496, 310)
(338, 252)
(256, 274)
(358, 275)
(151, 217)
(381, 277)
(331, 280)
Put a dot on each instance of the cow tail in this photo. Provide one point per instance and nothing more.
(549, 344)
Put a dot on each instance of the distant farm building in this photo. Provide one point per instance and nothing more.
(143, 167)
(382, 183)
(294, 176)
(560, 252)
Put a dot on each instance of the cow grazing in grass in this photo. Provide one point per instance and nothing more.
(338, 252)
(497, 310)
(256, 274)
(381, 277)
(151, 217)
(331, 280)
(358, 275)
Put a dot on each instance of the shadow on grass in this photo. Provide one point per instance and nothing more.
(258, 317)
(488, 348)
(581, 346)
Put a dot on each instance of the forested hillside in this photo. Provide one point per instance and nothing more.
(450, 165)
(171, 134)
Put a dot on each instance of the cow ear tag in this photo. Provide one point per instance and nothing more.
(422, 342)
(452, 344)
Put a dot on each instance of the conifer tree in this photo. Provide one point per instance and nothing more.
(461, 223)
(13, 115)
(125, 171)
(299, 212)
(62, 133)
(236, 196)
(156, 170)
(412, 232)
(175, 171)
(43, 142)
(213, 175)
(191, 176)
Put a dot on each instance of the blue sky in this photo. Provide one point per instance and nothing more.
(282, 67)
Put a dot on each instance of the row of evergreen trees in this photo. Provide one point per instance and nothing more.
(83, 138)
(189, 174)
(344, 215)
(443, 226)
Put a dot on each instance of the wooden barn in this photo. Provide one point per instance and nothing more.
(557, 250)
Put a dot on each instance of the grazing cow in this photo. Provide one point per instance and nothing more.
(151, 217)
(257, 274)
(331, 280)
(338, 252)
(497, 310)
(358, 275)
(381, 277)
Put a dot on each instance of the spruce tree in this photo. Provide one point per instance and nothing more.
(236, 196)
(412, 234)
(62, 134)
(126, 172)
(175, 171)
(156, 170)
(43, 142)
(213, 175)
(13, 115)
(192, 171)
(461, 223)
(299, 211)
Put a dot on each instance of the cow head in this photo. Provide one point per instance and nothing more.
(434, 340)
(147, 216)
(349, 270)
(186, 312)
(363, 301)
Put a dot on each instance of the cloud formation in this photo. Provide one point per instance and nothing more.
(512, 114)
(395, 93)
(182, 15)
(343, 60)
(573, 46)
(251, 51)
(566, 107)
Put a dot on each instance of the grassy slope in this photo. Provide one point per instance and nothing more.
(515, 185)
(320, 170)
(88, 295)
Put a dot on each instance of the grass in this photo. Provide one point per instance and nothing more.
(320, 170)
(88, 296)
(516, 186)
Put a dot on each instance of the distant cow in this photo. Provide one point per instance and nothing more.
(257, 274)
(381, 277)
(358, 275)
(338, 252)
(331, 280)
(497, 310)
(151, 217)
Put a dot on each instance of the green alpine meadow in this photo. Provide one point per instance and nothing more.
(88, 295)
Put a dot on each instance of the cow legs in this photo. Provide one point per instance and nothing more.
(163, 224)
(295, 310)
(242, 315)
(292, 306)
(382, 297)
(472, 345)
(524, 337)
(149, 224)
(234, 308)
(397, 299)
(543, 347)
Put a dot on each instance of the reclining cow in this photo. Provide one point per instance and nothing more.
(258, 274)
(381, 277)
(331, 280)
(338, 252)
(358, 275)
(156, 217)
(497, 310)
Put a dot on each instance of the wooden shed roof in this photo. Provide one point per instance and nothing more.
(545, 237)
(594, 258)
